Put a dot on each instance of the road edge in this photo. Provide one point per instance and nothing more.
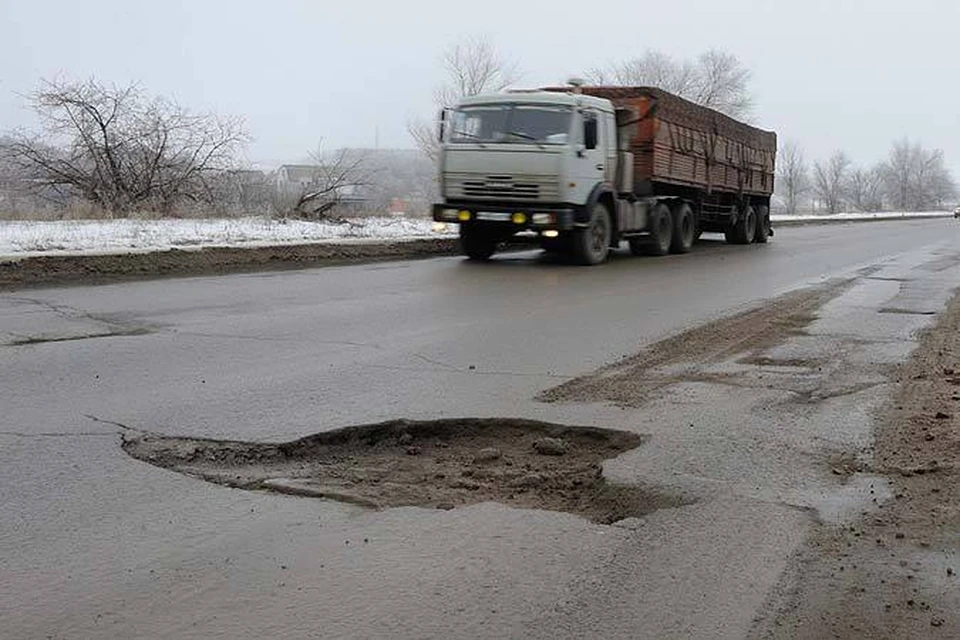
(97, 268)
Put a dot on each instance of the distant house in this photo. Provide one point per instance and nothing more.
(299, 178)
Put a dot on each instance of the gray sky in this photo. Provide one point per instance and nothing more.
(829, 73)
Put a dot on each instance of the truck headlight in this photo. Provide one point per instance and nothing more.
(463, 216)
(544, 218)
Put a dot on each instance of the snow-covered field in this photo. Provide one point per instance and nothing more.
(23, 238)
(84, 236)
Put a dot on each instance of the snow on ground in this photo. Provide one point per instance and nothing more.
(73, 236)
(885, 215)
(21, 238)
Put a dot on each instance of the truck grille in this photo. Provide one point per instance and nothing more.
(500, 187)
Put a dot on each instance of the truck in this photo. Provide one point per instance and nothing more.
(580, 169)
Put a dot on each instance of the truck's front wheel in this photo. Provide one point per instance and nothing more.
(592, 244)
(476, 244)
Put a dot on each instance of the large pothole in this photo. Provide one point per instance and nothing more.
(439, 464)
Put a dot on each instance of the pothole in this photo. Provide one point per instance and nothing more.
(440, 464)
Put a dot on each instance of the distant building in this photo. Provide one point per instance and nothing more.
(399, 207)
(290, 176)
(301, 178)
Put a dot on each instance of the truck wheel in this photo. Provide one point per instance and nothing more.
(592, 244)
(763, 224)
(683, 228)
(746, 228)
(661, 234)
(476, 244)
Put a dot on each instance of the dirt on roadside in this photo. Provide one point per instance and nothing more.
(95, 268)
(895, 574)
(441, 464)
(680, 358)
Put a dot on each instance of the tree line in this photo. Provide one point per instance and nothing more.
(911, 178)
(120, 150)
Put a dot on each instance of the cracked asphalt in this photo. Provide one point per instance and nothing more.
(96, 544)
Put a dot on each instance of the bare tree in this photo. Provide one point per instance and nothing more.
(864, 188)
(793, 175)
(333, 178)
(714, 79)
(121, 150)
(897, 172)
(933, 183)
(915, 178)
(830, 181)
(469, 69)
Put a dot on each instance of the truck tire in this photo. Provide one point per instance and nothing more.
(476, 244)
(658, 242)
(684, 230)
(591, 244)
(746, 228)
(763, 224)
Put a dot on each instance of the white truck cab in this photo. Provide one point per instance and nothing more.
(525, 160)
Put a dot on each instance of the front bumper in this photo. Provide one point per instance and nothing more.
(519, 218)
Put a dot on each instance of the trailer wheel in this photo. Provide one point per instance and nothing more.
(658, 242)
(476, 244)
(683, 228)
(592, 244)
(763, 225)
(746, 228)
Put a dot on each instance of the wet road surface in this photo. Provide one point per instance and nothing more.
(96, 544)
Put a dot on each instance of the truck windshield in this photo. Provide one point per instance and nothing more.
(512, 123)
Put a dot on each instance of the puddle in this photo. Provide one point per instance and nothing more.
(435, 464)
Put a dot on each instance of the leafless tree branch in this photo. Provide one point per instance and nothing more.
(121, 150)
(715, 79)
(470, 68)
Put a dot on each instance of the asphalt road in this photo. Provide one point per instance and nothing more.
(95, 544)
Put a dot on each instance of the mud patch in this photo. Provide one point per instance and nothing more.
(683, 358)
(894, 573)
(439, 464)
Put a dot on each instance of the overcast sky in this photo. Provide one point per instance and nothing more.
(830, 73)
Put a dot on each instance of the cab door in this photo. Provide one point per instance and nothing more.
(590, 162)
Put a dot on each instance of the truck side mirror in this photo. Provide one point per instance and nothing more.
(443, 123)
(590, 133)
